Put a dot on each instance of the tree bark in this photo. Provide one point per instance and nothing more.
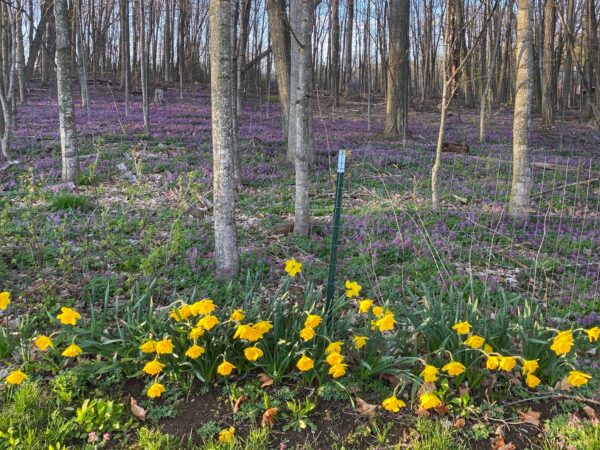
(68, 141)
(334, 73)
(280, 42)
(522, 178)
(303, 152)
(223, 139)
(144, 66)
(348, 48)
(548, 97)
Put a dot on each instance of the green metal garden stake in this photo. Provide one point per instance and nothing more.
(339, 187)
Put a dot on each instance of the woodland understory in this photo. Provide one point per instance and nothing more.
(188, 261)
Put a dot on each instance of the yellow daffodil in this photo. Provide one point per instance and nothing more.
(352, 288)
(195, 351)
(430, 374)
(307, 334)
(507, 363)
(293, 267)
(337, 370)
(492, 362)
(263, 327)
(562, 343)
(365, 305)
(359, 341)
(16, 377)
(72, 351)
(248, 332)
(203, 307)
(487, 348)
(225, 368)
(334, 347)
(474, 341)
(453, 368)
(155, 390)
(334, 358)
(593, 334)
(226, 435)
(164, 347)
(577, 378)
(532, 381)
(68, 316)
(305, 363)
(208, 322)
(44, 343)
(4, 300)
(393, 404)
(196, 332)
(153, 367)
(182, 313)
(377, 311)
(462, 327)
(429, 400)
(387, 322)
(253, 353)
(237, 315)
(312, 321)
(530, 366)
(148, 347)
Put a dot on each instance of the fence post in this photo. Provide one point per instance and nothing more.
(339, 187)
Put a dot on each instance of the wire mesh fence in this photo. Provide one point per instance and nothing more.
(552, 256)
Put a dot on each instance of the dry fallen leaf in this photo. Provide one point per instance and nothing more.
(268, 417)
(498, 443)
(530, 416)
(241, 399)
(459, 423)
(589, 411)
(441, 409)
(392, 380)
(265, 380)
(137, 410)
(364, 408)
(563, 385)
(420, 411)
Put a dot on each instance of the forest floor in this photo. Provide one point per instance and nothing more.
(140, 218)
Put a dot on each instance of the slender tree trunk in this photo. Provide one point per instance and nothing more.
(68, 141)
(125, 62)
(303, 152)
(241, 53)
(280, 42)
(144, 63)
(522, 178)
(20, 54)
(334, 74)
(81, 66)
(223, 139)
(348, 48)
(167, 43)
(567, 83)
(548, 97)
(295, 25)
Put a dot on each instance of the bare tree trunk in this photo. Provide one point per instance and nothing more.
(20, 54)
(221, 75)
(125, 63)
(144, 63)
(241, 53)
(548, 97)
(303, 152)
(7, 81)
(348, 48)
(280, 42)
(167, 43)
(397, 100)
(81, 66)
(68, 141)
(334, 74)
(522, 178)
(567, 83)
(446, 81)
(295, 25)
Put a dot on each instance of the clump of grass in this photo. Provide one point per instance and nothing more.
(67, 202)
